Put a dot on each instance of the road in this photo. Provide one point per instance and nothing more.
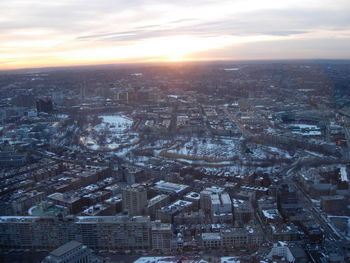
(329, 231)
(347, 150)
(246, 134)
(290, 175)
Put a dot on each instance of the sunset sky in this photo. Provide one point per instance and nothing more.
(38, 33)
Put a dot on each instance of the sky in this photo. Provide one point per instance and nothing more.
(42, 33)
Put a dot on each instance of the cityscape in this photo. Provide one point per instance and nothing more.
(195, 162)
(197, 131)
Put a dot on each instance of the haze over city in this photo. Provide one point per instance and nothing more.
(37, 33)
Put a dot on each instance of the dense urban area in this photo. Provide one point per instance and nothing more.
(228, 162)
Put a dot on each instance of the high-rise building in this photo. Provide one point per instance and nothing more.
(44, 105)
(134, 199)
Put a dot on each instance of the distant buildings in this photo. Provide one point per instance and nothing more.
(44, 105)
(9, 157)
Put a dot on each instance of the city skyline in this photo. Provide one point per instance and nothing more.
(75, 32)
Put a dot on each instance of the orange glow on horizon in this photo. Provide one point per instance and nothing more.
(178, 48)
(35, 33)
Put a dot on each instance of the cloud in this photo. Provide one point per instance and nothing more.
(62, 27)
(303, 48)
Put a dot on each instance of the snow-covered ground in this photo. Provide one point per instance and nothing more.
(305, 129)
(266, 152)
(111, 134)
(115, 123)
(216, 148)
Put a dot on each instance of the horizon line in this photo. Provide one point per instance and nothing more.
(189, 61)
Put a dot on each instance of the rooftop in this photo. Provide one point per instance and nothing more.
(170, 187)
(64, 249)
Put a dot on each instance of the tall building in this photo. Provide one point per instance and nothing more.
(44, 105)
(134, 199)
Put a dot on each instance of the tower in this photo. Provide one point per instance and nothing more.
(134, 199)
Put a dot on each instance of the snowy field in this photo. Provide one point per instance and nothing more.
(216, 148)
(115, 123)
(111, 134)
(305, 129)
(266, 152)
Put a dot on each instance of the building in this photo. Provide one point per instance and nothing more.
(170, 188)
(281, 251)
(134, 199)
(217, 204)
(97, 232)
(162, 236)
(332, 203)
(115, 203)
(73, 202)
(44, 105)
(243, 211)
(289, 202)
(72, 252)
(233, 238)
(48, 209)
(284, 252)
(166, 214)
(193, 197)
(191, 218)
(211, 240)
(271, 216)
(284, 232)
(98, 210)
(156, 203)
(26, 200)
(12, 159)
(241, 237)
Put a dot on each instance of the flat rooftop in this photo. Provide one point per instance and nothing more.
(66, 248)
(170, 187)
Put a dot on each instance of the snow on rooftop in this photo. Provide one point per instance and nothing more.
(271, 213)
(168, 259)
(229, 260)
(344, 174)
